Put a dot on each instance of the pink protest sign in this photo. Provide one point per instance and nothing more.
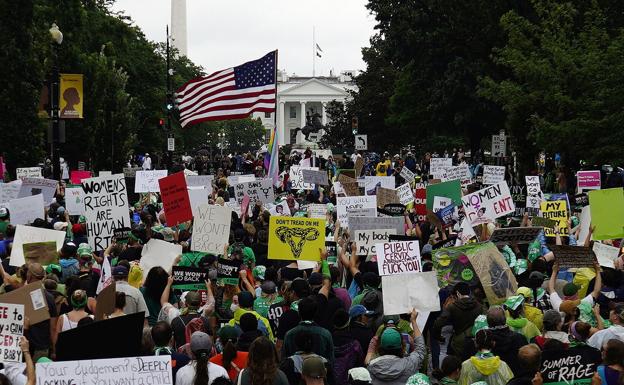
(588, 180)
(76, 176)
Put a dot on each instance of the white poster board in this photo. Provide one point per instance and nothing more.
(260, 190)
(437, 166)
(585, 223)
(493, 174)
(296, 178)
(440, 202)
(407, 174)
(405, 194)
(147, 181)
(534, 195)
(29, 234)
(211, 229)
(488, 204)
(9, 191)
(317, 210)
(364, 206)
(25, 210)
(403, 292)
(74, 200)
(200, 181)
(460, 172)
(28, 172)
(315, 176)
(11, 330)
(372, 182)
(198, 196)
(34, 186)
(158, 253)
(106, 208)
(398, 257)
(367, 239)
(606, 254)
(105, 173)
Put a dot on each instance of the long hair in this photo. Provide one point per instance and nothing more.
(262, 362)
(229, 354)
(201, 367)
(155, 282)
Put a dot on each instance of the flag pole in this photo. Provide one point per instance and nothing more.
(276, 105)
(313, 52)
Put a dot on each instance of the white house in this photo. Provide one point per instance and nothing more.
(298, 96)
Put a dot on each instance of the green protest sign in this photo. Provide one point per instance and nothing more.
(607, 213)
(451, 189)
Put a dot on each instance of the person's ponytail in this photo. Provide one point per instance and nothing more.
(201, 368)
(229, 354)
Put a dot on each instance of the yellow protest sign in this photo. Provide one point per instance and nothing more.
(557, 211)
(296, 238)
(71, 96)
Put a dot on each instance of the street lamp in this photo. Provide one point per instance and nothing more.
(221, 141)
(57, 38)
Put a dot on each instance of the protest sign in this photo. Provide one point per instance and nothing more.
(398, 257)
(317, 210)
(315, 176)
(9, 191)
(189, 278)
(44, 253)
(147, 181)
(73, 200)
(450, 189)
(11, 330)
(386, 196)
(581, 200)
(488, 204)
(367, 239)
(460, 173)
(198, 196)
(359, 165)
(518, 195)
(403, 292)
(227, 271)
(130, 172)
(355, 206)
(605, 254)
(519, 235)
(29, 234)
(573, 256)
(105, 173)
(437, 166)
(260, 190)
(546, 223)
(588, 180)
(159, 253)
(211, 229)
(175, 199)
(584, 223)
(106, 301)
(235, 179)
(573, 366)
(493, 174)
(557, 211)
(296, 178)
(405, 194)
(420, 201)
(349, 185)
(32, 298)
(106, 208)
(244, 207)
(407, 175)
(200, 181)
(28, 172)
(392, 210)
(76, 176)
(607, 213)
(280, 209)
(534, 194)
(448, 215)
(26, 210)
(296, 238)
(441, 202)
(34, 186)
(375, 223)
(466, 232)
(371, 183)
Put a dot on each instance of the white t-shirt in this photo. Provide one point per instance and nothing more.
(556, 301)
(185, 375)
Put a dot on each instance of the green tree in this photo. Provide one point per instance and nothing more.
(338, 132)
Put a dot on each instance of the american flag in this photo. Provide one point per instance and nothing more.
(233, 93)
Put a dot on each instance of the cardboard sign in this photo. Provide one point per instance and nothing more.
(519, 235)
(534, 194)
(437, 166)
(349, 185)
(158, 253)
(44, 253)
(33, 299)
(147, 181)
(588, 180)
(372, 183)
(575, 365)
(405, 194)
(407, 175)
(573, 256)
(11, 329)
(189, 278)
(106, 301)
(28, 172)
(198, 196)
(465, 233)
(175, 199)
(367, 239)
(28, 234)
(74, 200)
(355, 206)
(130, 172)
(493, 271)
(450, 189)
(77, 176)
(9, 191)
(607, 213)
(398, 257)
(403, 292)
(315, 177)
(258, 191)
(34, 186)
(488, 204)
(227, 271)
(585, 223)
(25, 210)
(359, 165)
(557, 211)
(296, 178)
(239, 178)
(375, 223)
(493, 174)
(211, 229)
(606, 254)
(460, 173)
(106, 208)
(296, 238)
(386, 196)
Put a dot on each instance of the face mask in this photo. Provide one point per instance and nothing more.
(233, 307)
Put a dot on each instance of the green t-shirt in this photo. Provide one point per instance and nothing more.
(261, 304)
(153, 306)
(3, 227)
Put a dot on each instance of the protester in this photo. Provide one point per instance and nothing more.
(449, 371)
(611, 372)
(200, 371)
(262, 365)
(484, 365)
(529, 359)
(135, 302)
(615, 331)
(231, 359)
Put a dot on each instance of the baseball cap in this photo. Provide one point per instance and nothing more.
(570, 289)
(259, 271)
(568, 306)
(525, 292)
(268, 287)
(245, 299)
(228, 333)
(314, 367)
(4, 213)
(77, 229)
(69, 249)
(200, 341)
(391, 339)
(360, 374)
(358, 310)
(120, 271)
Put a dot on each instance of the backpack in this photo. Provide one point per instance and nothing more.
(346, 356)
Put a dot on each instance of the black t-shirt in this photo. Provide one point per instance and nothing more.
(290, 273)
(39, 334)
(275, 312)
(287, 321)
(131, 254)
(89, 282)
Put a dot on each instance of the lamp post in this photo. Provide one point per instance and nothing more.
(221, 141)
(57, 38)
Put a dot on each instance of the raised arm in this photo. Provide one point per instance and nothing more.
(553, 278)
(598, 281)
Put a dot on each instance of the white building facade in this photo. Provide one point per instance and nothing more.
(298, 97)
